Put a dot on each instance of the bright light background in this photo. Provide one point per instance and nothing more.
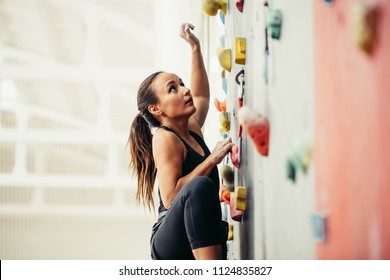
(69, 72)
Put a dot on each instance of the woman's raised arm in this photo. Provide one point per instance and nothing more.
(200, 89)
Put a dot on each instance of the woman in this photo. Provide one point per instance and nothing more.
(189, 220)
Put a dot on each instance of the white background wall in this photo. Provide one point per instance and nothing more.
(86, 60)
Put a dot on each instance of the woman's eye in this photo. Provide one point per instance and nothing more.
(182, 84)
(172, 88)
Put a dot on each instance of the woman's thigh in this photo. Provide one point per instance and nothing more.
(194, 213)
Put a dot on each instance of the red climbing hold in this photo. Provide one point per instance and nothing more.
(240, 5)
(234, 155)
(257, 127)
(235, 214)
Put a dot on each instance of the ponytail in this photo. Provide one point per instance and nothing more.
(142, 162)
(140, 140)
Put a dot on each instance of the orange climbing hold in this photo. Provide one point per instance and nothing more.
(225, 196)
(220, 105)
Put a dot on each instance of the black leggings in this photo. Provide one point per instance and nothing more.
(192, 221)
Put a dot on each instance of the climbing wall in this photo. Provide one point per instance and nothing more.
(278, 92)
(353, 119)
(316, 76)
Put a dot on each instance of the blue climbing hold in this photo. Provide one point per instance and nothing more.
(221, 16)
(224, 85)
(318, 221)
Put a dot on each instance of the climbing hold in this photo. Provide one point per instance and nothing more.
(257, 127)
(227, 174)
(225, 58)
(240, 5)
(222, 41)
(291, 170)
(224, 81)
(299, 155)
(230, 233)
(235, 153)
(220, 105)
(319, 224)
(240, 198)
(235, 214)
(211, 7)
(240, 48)
(274, 23)
(224, 121)
(328, 1)
(225, 196)
(234, 156)
(365, 25)
(224, 85)
(221, 17)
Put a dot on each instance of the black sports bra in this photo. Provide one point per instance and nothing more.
(192, 160)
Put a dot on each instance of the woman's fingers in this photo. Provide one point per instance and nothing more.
(228, 142)
(187, 27)
(184, 29)
(186, 34)
(221, 149)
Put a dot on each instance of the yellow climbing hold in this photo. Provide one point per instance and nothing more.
(211, 7)
(240, 198)
(225, 58)
(240, 48)
(224, 121)
(230, 233)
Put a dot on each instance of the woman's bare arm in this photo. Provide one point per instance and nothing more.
(169, 154)
(200, 89)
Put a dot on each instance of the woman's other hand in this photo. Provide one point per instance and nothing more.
(220, 150)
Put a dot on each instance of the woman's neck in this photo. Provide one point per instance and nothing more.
(179, 127)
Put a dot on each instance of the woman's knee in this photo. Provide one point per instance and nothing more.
(201, 186)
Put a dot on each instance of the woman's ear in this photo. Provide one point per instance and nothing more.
(154, 110)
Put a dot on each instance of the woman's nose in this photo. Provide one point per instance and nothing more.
(186, 91)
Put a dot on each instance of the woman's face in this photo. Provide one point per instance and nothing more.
(174, 99)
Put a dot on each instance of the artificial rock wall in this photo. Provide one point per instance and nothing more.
(322, 190)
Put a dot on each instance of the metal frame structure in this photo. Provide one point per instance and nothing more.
(72, 137)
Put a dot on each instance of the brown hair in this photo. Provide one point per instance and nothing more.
(140, 141)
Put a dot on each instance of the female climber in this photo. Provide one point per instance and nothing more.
(166, 142)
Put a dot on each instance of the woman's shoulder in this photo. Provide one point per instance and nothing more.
(166, 142)
(162, 134)
(164, 137)
(194, 126)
